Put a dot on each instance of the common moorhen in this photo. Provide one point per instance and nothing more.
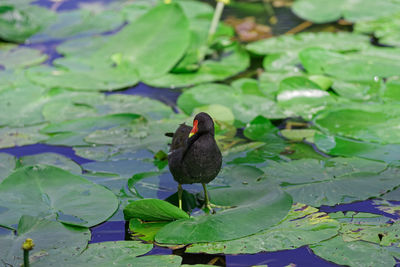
(194, 156)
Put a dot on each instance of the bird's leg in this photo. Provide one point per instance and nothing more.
(210, 205)
(207, 200)
(180, 195)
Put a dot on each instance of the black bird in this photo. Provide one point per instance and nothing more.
(194, 156)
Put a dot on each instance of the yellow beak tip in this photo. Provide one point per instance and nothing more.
(191, 134)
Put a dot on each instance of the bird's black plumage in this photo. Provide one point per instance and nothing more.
(195, 159)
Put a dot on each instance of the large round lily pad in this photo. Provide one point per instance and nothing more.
(120, 253)
(50, 238)
(303, 225)
(334, 181)
(48, 191)
(258, 207)
(323, 11)
(374, 123)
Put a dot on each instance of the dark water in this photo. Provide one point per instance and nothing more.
(117, 230)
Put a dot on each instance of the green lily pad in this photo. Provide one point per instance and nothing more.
(65, 238)
(84, 77)
(51, 159)
(299, 96)
(372, 123)
(359, 90)
(125, 168)
(341, 41)
(73, 132)
(48, 191)
(323, 11)
(139, 134)
(153, 210)
(392, 90)
(19, 20)
(7, 165)
(357, 253)
(303, 225)
(120, 253)
(22, 105)
(244, 107)
(78, 22)
(333, 181)
(364, 240)
(299, 135)
(384, 28)
(233, 61)
(146, 231)
(260, 129)
(365, 65)
(257, 208)
(10, 137)
(19, 57)
(340, 146)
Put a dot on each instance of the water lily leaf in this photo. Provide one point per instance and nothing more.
(384, 28)
(282, 62)
(74, 131)
(84, 77)
(165, 28)
(340, 146)
(124, 167)
(10, 137)
(299, 96)
(7, 165)
(139, 134)
(260, 129)
(392, 90)
(234, 60)
(255, 206)
(360, 233)
(153, 210)
(373, 123)
(303, 225)
(121, 253)
(245, 107)
(299, 135)
(22, 105)
(79, 23)
(63, 237)
(327, 11)
(78, 105)
(359, 90)
(357, 253)
(19, 57)
(337, 180)
(49, 191)
(357, 66)
(20, 20)
(52, 159)
(341, 41)
(145, 231)
(260, 155)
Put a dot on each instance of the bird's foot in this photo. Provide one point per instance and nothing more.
(210, 207)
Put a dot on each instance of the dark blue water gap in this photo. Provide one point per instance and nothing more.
(67, 5)
(20, 151)
(109, 231)
(360, 206)
(167, 96)
(49, 48)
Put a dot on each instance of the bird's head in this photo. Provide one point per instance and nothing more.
(202, 124)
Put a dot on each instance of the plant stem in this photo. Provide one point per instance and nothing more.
(215, 20)
(26, 258)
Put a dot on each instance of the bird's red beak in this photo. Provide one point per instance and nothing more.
(194, 129)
